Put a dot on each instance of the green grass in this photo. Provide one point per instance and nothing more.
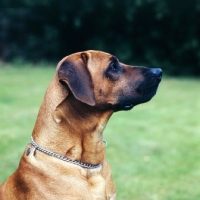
(154, 149)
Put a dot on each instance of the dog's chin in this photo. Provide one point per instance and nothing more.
(126, 105)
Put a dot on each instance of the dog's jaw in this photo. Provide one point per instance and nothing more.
(128, 104)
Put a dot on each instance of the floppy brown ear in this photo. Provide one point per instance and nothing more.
(75, 74)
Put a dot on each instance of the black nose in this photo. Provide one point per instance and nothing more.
(157, 72)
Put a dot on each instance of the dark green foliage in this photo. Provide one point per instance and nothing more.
(142, 32)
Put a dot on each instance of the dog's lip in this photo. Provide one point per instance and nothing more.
(128, 106)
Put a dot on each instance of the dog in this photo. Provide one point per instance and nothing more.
(65, 158)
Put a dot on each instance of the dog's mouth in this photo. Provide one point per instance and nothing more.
(128, 106)
(144, 96)
(124, 105)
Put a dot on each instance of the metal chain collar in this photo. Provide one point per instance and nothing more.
(50, 153)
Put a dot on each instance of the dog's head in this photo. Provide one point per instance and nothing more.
(100, 80)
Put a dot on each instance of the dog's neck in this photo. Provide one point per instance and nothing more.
(57, 131)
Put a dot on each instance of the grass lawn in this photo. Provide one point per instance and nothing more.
(154, 149)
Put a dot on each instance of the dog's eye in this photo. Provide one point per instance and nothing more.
(114, 71)
(113, 67)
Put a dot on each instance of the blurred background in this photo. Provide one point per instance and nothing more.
(141, 32)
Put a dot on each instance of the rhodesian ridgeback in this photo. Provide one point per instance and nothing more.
(65, 158)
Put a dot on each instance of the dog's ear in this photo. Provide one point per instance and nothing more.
(75, 74)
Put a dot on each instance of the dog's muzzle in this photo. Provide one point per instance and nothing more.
(148, 87)
(145, 89)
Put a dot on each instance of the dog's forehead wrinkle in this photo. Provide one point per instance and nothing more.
(99, 59)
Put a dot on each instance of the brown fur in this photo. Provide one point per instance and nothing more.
(82, 96)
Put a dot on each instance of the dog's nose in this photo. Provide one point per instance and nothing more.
(157, 72)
